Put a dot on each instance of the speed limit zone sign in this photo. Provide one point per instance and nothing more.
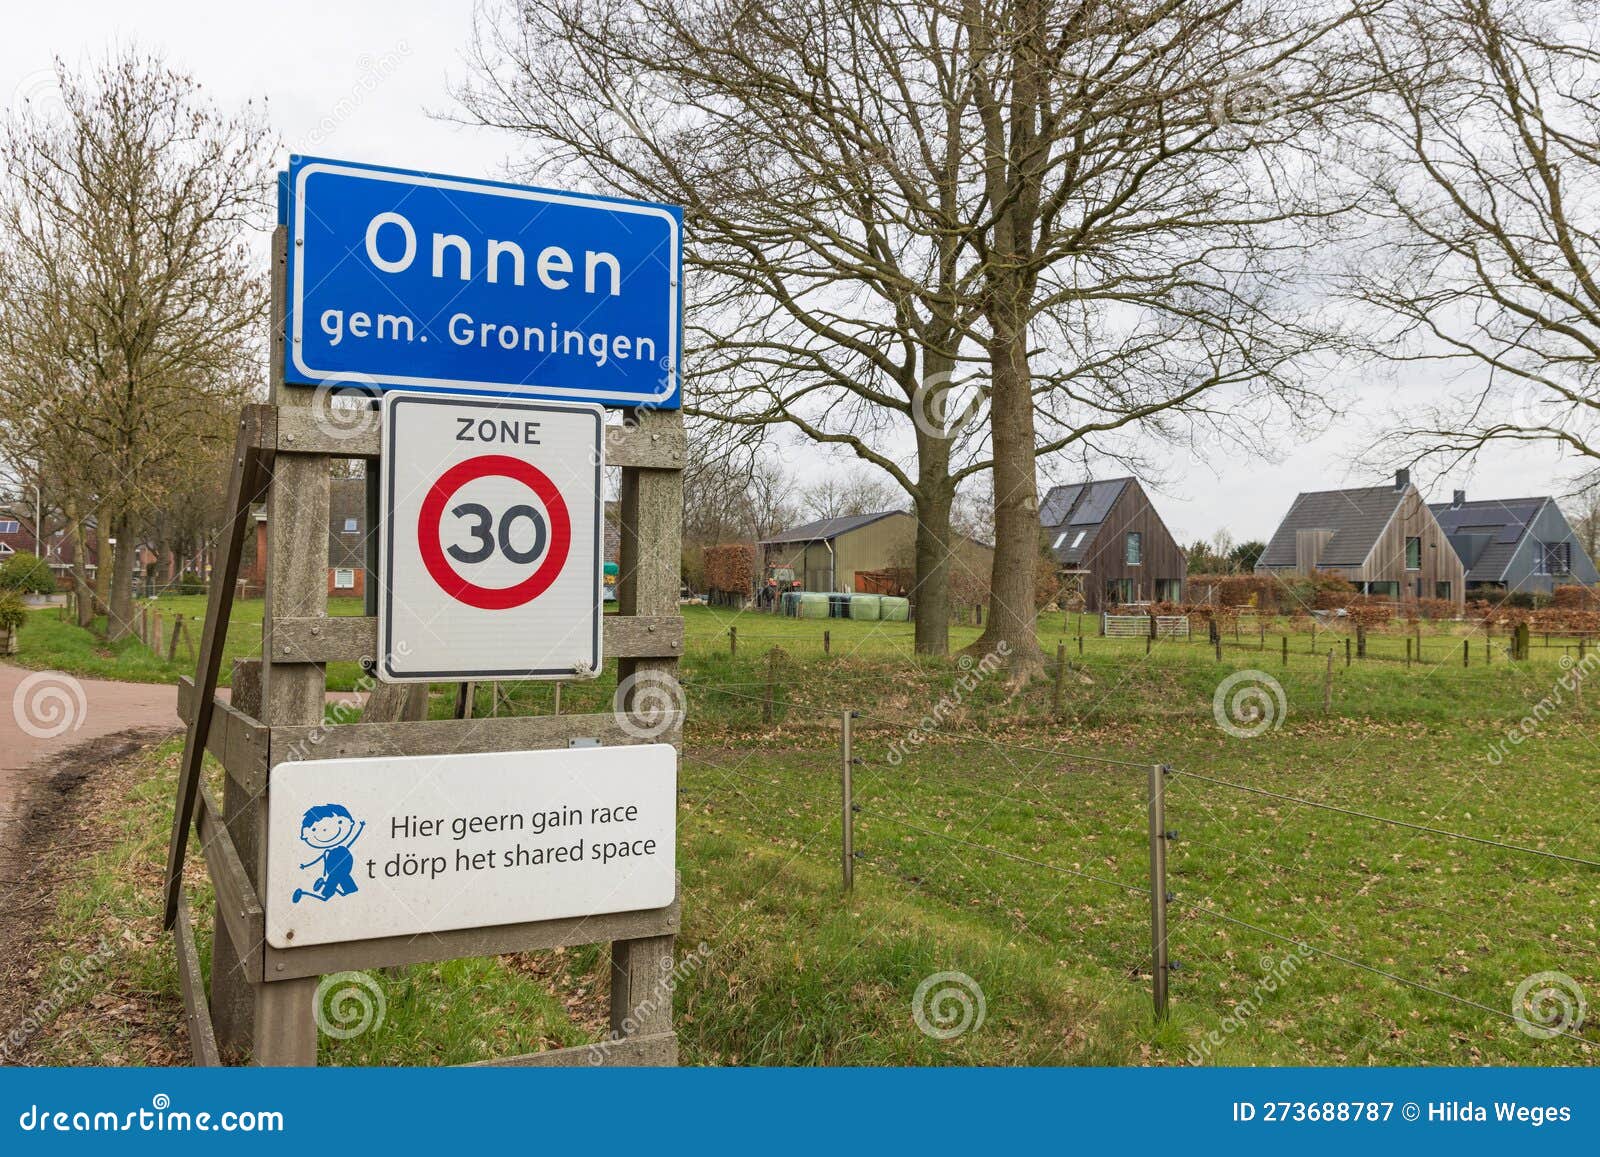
(490, 539)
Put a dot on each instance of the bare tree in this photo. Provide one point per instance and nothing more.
(886, 198)
(1485, 151)
(132, 306)
(1583, 511)
(841, 494)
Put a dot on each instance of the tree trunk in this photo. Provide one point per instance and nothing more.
(1010, 628)
(102, 571)
(934, 554)
(119, 621)
(80, 566)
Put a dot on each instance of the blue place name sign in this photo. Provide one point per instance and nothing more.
(403, 279)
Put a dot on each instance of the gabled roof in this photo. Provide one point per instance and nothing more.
(826, 529)
(1356, 517)
(1074, 514)
(1489, 531)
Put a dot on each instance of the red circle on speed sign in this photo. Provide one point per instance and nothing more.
(429, 524)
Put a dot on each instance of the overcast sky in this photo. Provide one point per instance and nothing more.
(361, 80)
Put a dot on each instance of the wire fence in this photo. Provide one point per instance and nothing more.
(891, 797)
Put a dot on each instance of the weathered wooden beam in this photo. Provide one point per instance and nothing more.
(247, 480)
(236, 896)
(453, 736)
(355, 435)
(657, 1048)
(350, 638)
(425, 947)
(202, 1038)
(238, 741)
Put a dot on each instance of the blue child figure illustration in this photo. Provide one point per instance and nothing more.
(332, 828)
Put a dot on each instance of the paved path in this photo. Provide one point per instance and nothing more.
(44, 713)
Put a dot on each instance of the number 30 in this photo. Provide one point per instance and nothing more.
(480, 531)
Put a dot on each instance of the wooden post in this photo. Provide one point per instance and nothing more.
(1327, 685)
(293, 693)
(733, 642)
(650, 518)
(556, 697)
(1286, 650)
(1466, 652)
(771, 688)
(1347, 651)
(847, 828)
(827, 643)
(1408, 651)
(1080, 642)
(1361, 641)
(1061, 677)
(232, 992)
(172, 644)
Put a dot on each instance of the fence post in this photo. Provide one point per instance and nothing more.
(172, 643)
(733, 641)
(1347, 651)
(1361, 641)
(772, 678)
(1408, 650)
(1286, 650)
(1158, 887)
(846, 764)
(1327, 685)
(827, 643)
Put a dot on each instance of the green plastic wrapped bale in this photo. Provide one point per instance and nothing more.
(894, 610)
(865, 607)
(813, 605)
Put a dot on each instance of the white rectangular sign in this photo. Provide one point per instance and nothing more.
(406, 845)
(491, 539)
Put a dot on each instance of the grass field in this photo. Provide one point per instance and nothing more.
(998, 848)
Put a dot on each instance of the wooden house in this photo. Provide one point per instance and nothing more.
(1111, 546)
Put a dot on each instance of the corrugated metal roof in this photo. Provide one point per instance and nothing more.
(824, 529)
(1356, 517)
(1505, 519)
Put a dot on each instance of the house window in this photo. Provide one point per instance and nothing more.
(344, 579)
(5, 549)
(1383, 590)
(1134, 553)
(351, 526)
(9, 526)
(1077, 540)
(1119, 590)
(1169, 591)
(1060, 538)
(1413, 554)
(1441, 590)
(1555, 557)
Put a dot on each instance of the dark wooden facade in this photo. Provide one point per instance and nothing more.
(1104, 573)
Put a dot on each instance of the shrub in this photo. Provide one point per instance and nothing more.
(27, 574)
(1575, 598)
(1436, 609)
(731, 568)
(12, 612)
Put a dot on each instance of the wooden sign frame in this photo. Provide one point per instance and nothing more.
(262, 1001)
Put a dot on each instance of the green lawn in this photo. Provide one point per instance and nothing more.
(992, 849)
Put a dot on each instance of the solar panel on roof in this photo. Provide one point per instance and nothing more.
(1097, 503)
(1058, 503)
